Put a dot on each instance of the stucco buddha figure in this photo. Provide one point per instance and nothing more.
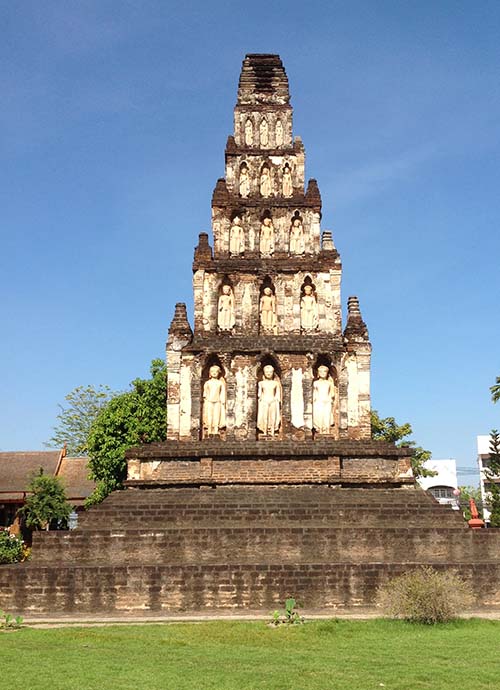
(214, 402)
(269, 402)
(225, 309)
(323, 398)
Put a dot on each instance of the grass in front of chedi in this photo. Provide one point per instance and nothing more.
(358, 655)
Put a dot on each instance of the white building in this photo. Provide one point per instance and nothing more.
(444, 483)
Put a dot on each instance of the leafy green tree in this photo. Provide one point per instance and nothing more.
(387, 429)
(131, 418)
(492, 471)
(76, 418)
(47, 503)
(495, 390)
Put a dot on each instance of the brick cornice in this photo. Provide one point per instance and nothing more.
(286, 449)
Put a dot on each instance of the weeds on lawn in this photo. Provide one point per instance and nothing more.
(290, 616)
(9, 622)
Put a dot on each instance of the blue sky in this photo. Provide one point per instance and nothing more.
(113, 124)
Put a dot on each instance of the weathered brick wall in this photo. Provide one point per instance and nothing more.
(30, 589)
(288, 460)
(266, 543)
(219, 471)
(248, 547)
(268, 470)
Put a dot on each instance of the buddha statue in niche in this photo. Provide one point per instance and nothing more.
(269, 402)
(323, 397)
(244, 184)
(297, 244)
(267, 310)
(309, 317)
(225, 309)
(279, 133)
(248, 132)
(214, 402)
(287, 181)
(236, 237)
(265, 182)
(264, 133)
(266, 237)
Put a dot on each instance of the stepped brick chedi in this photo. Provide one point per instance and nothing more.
(267, 372)
(269, 484)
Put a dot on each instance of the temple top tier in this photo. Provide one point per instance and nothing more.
(263, 114)
(263, 208)
(263, 81)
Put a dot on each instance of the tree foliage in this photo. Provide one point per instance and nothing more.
(492, 471)
(387, 429)
(495, 390)
(82, 407)
(47, 503)
(128, 419)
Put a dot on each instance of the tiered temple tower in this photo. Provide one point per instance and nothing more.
(268, 484)
(267, 234)
(268, 362)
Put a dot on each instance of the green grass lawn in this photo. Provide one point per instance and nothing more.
(352, 655)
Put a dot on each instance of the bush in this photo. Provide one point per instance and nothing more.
(12, 549)
(47, 503)
(425, 596)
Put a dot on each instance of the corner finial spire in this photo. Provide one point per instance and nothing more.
(180, 332)
(356, 328)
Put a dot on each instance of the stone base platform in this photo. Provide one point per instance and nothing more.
(268, 461)
(238, 548)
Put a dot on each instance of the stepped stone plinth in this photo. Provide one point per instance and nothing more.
(268, 483)
(238, 547)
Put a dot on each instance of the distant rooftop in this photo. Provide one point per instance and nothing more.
(17, 468)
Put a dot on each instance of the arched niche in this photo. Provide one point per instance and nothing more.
(296, 242)
(236, 213)
(287, 180)
(265, 360)
(249, 132)
(279, 133)
(265, 180)
(226, 305)
(325, 403)
(264, 132)
(309, 313)
(213, 397)
(269, 397)
(211, 359)
(307, 281)
(244, 180)
(267, 236)
(267, 307)
(236, 241)
(324, 360)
